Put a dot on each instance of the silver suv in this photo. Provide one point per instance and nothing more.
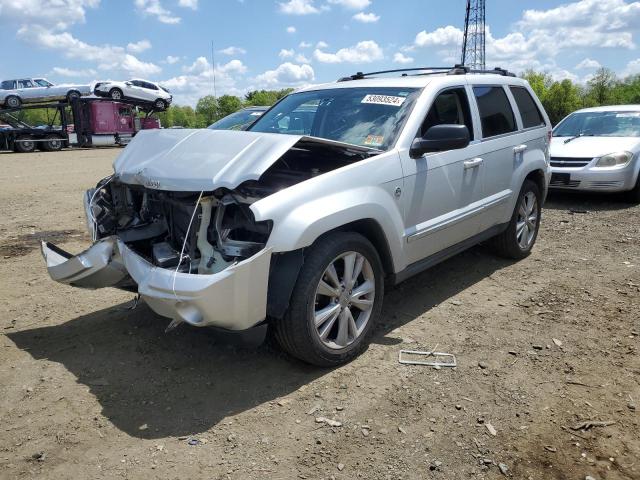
(299, 221)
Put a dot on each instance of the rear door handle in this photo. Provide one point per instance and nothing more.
(473, 163)
(520, 149)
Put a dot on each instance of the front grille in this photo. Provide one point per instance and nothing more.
(563, 180)
(570, 162)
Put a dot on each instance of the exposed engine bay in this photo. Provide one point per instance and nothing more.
(203, 233)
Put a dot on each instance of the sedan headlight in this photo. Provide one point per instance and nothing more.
(619, 159)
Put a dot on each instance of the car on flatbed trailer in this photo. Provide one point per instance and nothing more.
(299, 222)
(14, 93)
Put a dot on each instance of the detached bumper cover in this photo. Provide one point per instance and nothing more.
(235, 299)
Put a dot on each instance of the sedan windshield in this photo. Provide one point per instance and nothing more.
(600, 124)
(237, 121)
(368, 117)
(41, 82)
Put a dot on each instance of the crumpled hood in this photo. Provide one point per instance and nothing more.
(592, 147)
(203, 159)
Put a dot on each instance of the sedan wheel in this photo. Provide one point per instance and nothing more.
(160, 105)
(115, 94)
(344, 300)
(13, 101)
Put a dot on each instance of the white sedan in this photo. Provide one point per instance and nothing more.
(597, 149)
(140, 90)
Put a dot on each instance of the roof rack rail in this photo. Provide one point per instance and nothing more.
(455, 70)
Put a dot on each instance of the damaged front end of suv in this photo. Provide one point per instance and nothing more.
(185, 239)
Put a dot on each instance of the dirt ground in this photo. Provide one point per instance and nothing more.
(92, 389)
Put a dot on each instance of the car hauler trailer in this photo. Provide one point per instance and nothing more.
(96, 123)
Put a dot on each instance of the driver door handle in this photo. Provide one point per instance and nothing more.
(473, 163)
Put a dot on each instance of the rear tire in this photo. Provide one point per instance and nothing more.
(53, 144)
(116, 94)
(633, 196)
(324, 300)
(73, 94)
(517, 241)
(12, 101)
(26, 146)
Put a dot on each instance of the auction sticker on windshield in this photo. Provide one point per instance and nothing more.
(383, 100)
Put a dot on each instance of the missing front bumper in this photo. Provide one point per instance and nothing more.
(234, 299)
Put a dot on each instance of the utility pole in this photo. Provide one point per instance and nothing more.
(474, 43)
(213, 68)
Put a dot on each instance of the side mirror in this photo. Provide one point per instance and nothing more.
(440, 138)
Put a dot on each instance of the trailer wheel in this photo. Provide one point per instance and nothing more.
(115, 94)
(12, 101)
(73, 94)
(53, 144)
(24, 144)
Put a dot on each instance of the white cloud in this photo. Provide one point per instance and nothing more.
(298, 7)
(402, 59)
(632, 68)
(139, 47)
(363, 52)
(171, 59)
(441, 37)
(291, 29)
(352, 4)
(68, 72)
(304, 45)
(322, 44)
(302, 59)
(284, 53)
(198, 82)
(233, 51)
(587, 63)
(286, 75)
(59, 14)
(366, 17)
(108, 57)
(155, 9)
(192, 4)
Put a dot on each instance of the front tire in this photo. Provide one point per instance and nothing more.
(160, 105)
(335, 303)
(115, 94)
(517, 241)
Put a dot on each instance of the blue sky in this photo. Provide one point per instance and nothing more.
(290, 43)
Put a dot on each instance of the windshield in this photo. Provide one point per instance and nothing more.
(368, 116)
(41, 82)
(237, 121)
(600, 124)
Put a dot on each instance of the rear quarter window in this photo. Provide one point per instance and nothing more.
(496, 115)
(531, 116)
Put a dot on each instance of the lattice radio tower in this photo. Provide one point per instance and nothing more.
(473, 47)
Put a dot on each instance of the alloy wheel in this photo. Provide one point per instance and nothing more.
(344, 300)
(527, 222)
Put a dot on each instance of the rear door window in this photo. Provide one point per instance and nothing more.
(8, 85)
(495, 109)
(531, 116)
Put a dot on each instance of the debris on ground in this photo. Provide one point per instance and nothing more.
(591, 424)
(328, 421)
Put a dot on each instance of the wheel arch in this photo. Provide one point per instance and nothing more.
(286, 266)
(539, 178)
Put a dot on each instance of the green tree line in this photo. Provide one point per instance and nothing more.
(560, 98)
(210, 109)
